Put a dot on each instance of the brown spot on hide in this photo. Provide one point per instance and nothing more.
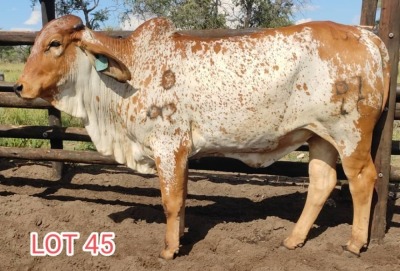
(168, 110)
(168, 79)
(196, 47)
(341, 87)
(241, 98)
(147, 81)
(154, 112)
(97, 98)
(217, 48)
(276, 67)
(177, 131)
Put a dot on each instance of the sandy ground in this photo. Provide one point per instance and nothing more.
(234, 222)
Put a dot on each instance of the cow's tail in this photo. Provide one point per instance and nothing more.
(385, 68)
(384, 62)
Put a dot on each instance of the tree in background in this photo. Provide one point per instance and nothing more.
(189, 14)
(198, 14)
(92, 18)
(201, 14)
(14, 54)
(186, 14)
(264, 13)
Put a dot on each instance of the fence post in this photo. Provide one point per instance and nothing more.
(48, 14)
(389, 32)
(368, 12)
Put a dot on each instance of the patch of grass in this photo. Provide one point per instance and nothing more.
(11, 71)
(18, 116)
(396, 130)
(38, 117)
(78, 146)
(296, 156)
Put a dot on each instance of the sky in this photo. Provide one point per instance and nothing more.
(18, 15)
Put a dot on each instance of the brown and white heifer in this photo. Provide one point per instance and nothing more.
(160, 97)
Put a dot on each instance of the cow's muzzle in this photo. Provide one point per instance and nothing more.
(18, 87)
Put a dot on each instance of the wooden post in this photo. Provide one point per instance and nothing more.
(389, 32)
(48, 10)
(48, 14)
(368, 12)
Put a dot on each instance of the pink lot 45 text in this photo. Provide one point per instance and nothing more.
(53, 243)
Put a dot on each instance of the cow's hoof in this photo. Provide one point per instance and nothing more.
(167, 254)
(291, 245)
(350, 253)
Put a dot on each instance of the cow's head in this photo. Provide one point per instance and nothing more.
(54, 57)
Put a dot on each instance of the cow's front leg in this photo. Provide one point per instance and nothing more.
(173, 173)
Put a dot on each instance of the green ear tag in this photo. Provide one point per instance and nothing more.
(101, 63)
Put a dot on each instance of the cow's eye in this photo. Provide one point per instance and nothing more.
(55, 44)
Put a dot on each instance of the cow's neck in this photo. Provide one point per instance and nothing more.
(99, 101)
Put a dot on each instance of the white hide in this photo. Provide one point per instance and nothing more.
(94, 98)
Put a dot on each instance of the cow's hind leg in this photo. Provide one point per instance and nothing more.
(361, 174)
(322, 171)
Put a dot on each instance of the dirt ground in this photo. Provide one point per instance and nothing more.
(234, 221)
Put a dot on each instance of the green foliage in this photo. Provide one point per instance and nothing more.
(79, 146)
(186, 14)
(201, 14)
(195, 14)
(70, 121)
(161, 8)
(14, 54)
(37, 117)
(17, 116)
(264, 13)
(93, 19)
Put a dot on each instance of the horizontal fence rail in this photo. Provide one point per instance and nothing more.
(85, 157)
(8, 99)
(44, 132)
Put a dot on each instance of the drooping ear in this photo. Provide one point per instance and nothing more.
(104, 60)
(111, 66)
